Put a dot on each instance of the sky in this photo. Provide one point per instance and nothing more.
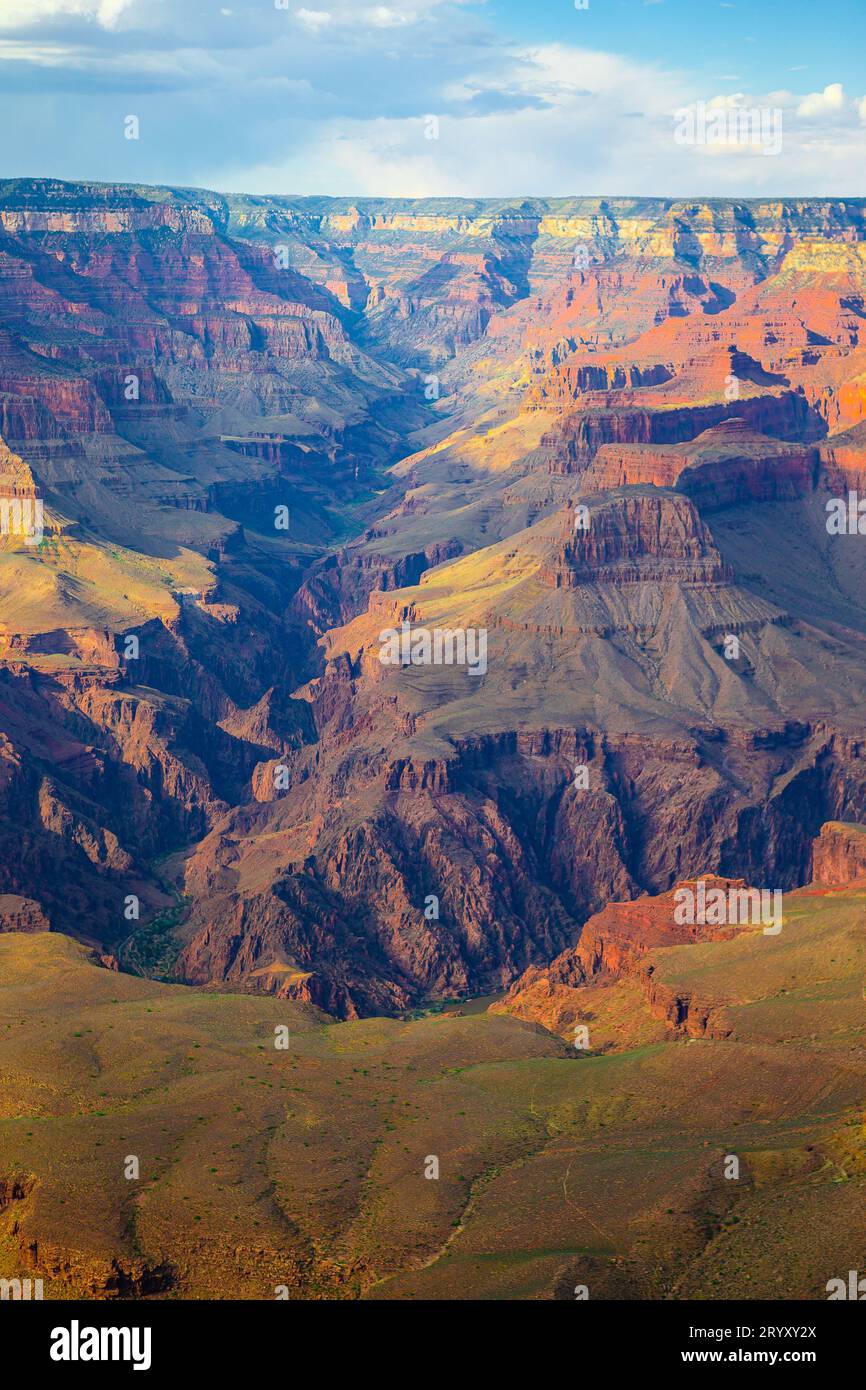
(422, 98)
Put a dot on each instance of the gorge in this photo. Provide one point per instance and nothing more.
(694, 379)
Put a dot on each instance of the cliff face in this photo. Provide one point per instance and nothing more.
(727, 465)
(634, 537)
(265, 430)
(578, 437)
(839, 854)
(394, 881)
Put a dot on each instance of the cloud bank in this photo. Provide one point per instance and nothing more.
(282, 97)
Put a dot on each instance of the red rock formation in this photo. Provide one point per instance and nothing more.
(843, 457)
(613, 940)
(578, 436)
(633, 537)
(615, 943)
(21, 914)
(839, 854)
(727, 465)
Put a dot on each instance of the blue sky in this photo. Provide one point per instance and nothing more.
(767, 43)
(534, 97)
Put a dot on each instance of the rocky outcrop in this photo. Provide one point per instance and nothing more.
(339, 588)
(685, 1012)
(92, 1276)
(613, 944)
(843, 459)
(839, 854)
(21, 914)
(633, 537)
(728, 465)
(398, 882)
(613, 940)
(90, 646)
(579, 436)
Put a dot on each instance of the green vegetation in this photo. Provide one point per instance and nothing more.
(152, 950)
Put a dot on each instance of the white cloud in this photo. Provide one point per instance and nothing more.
(43, 54)
(825, 103)
(18, 14)
(348, 14)
(561, 120)
(315, 19)
(383, 17)
(284, 102)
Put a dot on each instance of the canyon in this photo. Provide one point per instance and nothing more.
(596, 439)
(266, 430)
